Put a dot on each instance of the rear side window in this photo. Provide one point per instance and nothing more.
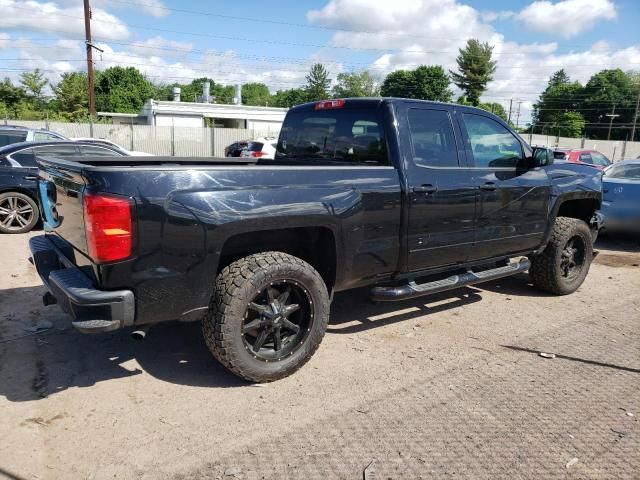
(492, 145)
(25, 158)
(586, 158)
(56, 151)
(42, 136)
(432, 138)
(91, 151)
(7, 138)
(341, 135)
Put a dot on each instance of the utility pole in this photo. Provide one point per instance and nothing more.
(87, 31)
(510, 105)
(611, 115)
(635, 118)
(518, 115)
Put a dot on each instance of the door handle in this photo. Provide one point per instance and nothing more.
(489, 187)
(426, 189)
(30, 177)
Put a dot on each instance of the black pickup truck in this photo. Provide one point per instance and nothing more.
(409, 197)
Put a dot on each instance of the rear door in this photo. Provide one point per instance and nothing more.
(513, 201)
(442, 194)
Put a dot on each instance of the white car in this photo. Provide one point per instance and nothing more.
(102, 141)
(261, 147)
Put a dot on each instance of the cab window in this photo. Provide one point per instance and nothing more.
(492, 144)
(432, 138)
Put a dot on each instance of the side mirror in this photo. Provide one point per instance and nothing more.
(542, 157)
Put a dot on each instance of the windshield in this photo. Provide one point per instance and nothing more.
(630, 172)
(343, 135)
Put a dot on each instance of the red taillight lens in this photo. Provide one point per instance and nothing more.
(108, 225)
(329, 104)
(257, 154)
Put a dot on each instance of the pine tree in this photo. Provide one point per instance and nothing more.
(476, 69)
(318, 83)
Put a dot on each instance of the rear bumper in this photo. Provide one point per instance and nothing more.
(92, 310)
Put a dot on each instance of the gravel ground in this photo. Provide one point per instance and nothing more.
(449, 386)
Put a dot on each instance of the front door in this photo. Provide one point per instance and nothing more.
(442, 195)
(513, 204)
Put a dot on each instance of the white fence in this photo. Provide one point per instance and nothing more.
(210, 142)
(615, 150)
(171, 141)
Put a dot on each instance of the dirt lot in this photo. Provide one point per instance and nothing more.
(450, 386)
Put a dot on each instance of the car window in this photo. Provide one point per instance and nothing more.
(93, 151)
(630, 172)
(432, 138)
(56, 151)
(492, 144)
(586, 158)
(7, 138)
(336, 135)
(255, 146)
(4, 162)
(559, 155)
(42, 136)
(24, 157)
(599, 159)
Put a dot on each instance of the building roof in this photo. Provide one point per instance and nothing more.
(214, 110)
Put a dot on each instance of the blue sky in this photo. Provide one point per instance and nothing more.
(276, 42)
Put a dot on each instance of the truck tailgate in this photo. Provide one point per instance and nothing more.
(61, 186)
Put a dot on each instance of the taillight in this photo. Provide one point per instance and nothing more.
(257, 154)
(108, 226)
(329, 104)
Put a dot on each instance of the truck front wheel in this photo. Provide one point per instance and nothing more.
(563, 265)
(267, 316)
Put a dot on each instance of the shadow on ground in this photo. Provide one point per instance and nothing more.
(35, 366)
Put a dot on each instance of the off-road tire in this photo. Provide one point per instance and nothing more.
(235, 287)
(24, 200)
(546, 273)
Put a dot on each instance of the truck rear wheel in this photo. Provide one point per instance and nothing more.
(267, 316)
(563, 265)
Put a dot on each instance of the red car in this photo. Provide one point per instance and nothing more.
(592, 158)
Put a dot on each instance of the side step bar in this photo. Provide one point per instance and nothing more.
(412, 289)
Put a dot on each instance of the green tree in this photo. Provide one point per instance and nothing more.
(425, 82)
(568, 124)
(34, 84)
(475, 69)
(603, 91)
(11, 96)
(122, 89)
(356, 84)
(318, 83)
(71, 97)
(289, 98)
(255, 94)
(561, 95)
(496, 109)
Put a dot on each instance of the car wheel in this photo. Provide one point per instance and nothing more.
(18, 212)
(563, 265)
(267, 316)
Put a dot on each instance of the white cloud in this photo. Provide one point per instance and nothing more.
(566, 18)
(49, 17)
(489, 16)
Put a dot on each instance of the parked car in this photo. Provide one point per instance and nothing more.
(621, 197)
(263, 147)
(592, 158)
(236, 148)
(109, 143)
(19, 205)
(16, 134)
(386, 193)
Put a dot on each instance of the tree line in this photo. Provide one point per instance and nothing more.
(564, 108)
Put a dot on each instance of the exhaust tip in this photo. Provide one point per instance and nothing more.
(139, 334)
